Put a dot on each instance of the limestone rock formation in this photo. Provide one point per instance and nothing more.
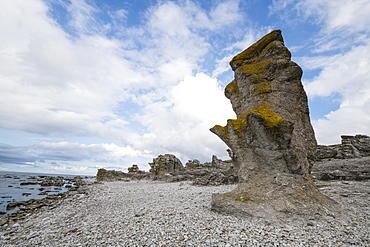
(192, 164)
(112, 175)
(357, 169)
(351, 147)
(272, 140)
(168, 168)
(165, 164)
(133, 169)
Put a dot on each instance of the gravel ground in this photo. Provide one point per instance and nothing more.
(147, 213)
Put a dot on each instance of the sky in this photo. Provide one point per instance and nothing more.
(89, 84)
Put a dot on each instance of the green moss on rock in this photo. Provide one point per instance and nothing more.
(239, 196)
(255, 50)
(263, 88)
(272, 119)
(100, 172)
(256, 68)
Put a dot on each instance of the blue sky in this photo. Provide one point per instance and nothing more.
(88, 84)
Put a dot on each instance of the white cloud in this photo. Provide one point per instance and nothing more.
(182, 121)
(347, 76)
(67, 156)
(54, 85)
(102, 152)
(250, 36)
(82, 17)
(169, 18)
(341, 22)
(340, 52)
(226, 14)
(349, 14)
(66, 82)
(348, 120)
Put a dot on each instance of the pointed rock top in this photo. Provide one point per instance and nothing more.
(258, 49)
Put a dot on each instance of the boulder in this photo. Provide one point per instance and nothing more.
(110, 175)
(133, 169)
(272, 141)
(166, 164)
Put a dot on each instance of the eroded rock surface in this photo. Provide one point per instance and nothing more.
(216, 172)
(357, 169)
(112, 175)
(272, 140)
(351, 147)
(165, 164)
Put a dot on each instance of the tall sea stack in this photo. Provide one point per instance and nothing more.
(272, 140)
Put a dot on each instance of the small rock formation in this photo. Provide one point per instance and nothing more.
(351, 147)
(215, 163)
(52, 181)
(216, 172)
(272, 140)
(166, 164)
(168, 168)
(193, 164)
(112, 175)
(133, 169)
(349, 160)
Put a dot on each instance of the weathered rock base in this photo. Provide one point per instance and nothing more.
(288, 199)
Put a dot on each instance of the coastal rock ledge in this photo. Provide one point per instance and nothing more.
(272, 140)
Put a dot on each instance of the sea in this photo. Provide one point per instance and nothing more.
(15, 186)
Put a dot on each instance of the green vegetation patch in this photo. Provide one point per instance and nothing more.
(271, 118)
(256, 68)
(238, 196)
(256, 49)
(262, 87)
(232, 87)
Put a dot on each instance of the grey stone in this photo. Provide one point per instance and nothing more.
(351, 147)
(112, 175)
(272, 140)
(342, 169)
(164, 164)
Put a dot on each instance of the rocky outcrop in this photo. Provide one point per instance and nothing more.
(112, 175)
(272, 140)
(166, 164)
(351, 147)
(346, 161)
(133, 169)
(216, 172)
(23, 209)
(169, 168)
(357, 169)
(52, 181)
(215, 163)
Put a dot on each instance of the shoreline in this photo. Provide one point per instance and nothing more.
(178, 214)
(19, 210)
(19, 189)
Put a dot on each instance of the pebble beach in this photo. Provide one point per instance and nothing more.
(151, 213)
